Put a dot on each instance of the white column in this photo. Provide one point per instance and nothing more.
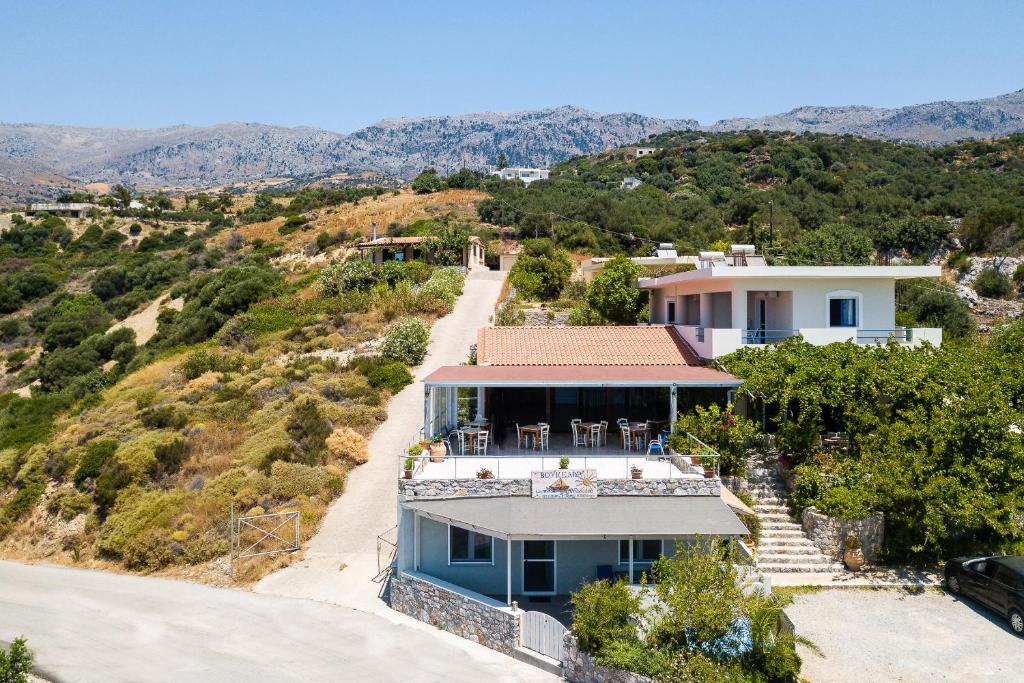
(739, 309)
(508, 570)
(705, 310)
(481, 409)
(673, 409)
(416, 541)
(631, 560)
(427, 429)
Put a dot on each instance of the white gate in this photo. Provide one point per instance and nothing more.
(544, 634)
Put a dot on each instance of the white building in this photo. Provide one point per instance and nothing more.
(527, 175)
(645, 151)
(738, 300)
(70, 210)
(630, 183)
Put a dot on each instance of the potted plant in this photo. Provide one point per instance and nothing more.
(563, 463)
(853, 555)
(635, 472)
(709, 467)
(484, 473)
(437, 449)
(409, 464)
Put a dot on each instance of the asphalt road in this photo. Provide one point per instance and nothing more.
(98, 626)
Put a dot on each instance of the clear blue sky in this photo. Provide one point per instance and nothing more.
(345, 65)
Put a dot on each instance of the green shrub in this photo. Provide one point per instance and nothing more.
(200, 362)
(68, 504)
(393, 377)
(163, 417)
(132, 531)
(406, 341)
(510, 315)
(444, 287)
(96, 455)
(291, 224)
(541, 271)
(290, 480)
(843, 502)
(603, 613)
(1018, 275)
(23, 500)
(354, 275)
(10, 330)
(719, 428)
(992, 283)
(151, 454)
(16, 663)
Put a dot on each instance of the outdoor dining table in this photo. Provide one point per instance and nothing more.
(471, 433)
(639, 432)
(586, 427)
(534, 430)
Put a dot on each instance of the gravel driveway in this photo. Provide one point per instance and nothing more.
(893, 635)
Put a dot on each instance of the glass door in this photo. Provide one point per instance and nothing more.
(538, 567)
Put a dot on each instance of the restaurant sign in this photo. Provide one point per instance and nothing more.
(563, 484)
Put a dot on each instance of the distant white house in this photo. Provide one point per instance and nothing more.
(630, 183)
(737, 300)
(645, 151)
(664, 255)
(527, 175)
(136, 204)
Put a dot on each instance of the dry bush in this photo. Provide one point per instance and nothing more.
(289, 480)
(363, 419)
(212, 448)
(347, 444)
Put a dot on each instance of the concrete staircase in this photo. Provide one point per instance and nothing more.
(783, 547)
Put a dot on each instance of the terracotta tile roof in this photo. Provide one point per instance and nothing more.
(579, 376)
(583, 346)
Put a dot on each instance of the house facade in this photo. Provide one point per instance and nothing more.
(418, 248)
(736, 300)
(538, 516)
(527, 175)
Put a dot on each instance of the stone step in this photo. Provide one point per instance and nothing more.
(785, 550)
(770, 509)
(793, 542)
(821, 567)
(768, 534)
(771, 501)
(792, 559)
(542, 662)
(776, 525)
(775, 517)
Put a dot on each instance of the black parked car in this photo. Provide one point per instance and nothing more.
(998, 582)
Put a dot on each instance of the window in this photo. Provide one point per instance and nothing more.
(469, 546)
(643, 551)
(671, 315)
(842, 312)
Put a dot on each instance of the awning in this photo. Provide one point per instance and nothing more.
(580, 376)
(522, 517)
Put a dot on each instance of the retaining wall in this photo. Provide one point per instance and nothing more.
(456, 610)
(490, 488)
(579, 667)
(829, 533)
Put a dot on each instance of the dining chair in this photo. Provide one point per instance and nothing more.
(655, 445)
(481, 442)
(627, 441)
(545, 437)
(604, 432)
(595, 435)
(579, 436)
(519, 436)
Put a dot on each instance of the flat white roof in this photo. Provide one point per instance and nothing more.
(793, 273)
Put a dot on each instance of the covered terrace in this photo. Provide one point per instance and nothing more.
(529, 377)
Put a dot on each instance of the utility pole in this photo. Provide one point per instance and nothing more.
(771, 224)
(551, 224)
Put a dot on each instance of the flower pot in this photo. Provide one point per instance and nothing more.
(636, 474)
(853, 558)
(437, 452)
(709, 473)
(408, 474)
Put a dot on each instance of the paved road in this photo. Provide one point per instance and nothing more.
(98, 626)
(893, 635)
(348, 535)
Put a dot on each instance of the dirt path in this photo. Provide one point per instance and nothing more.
(144, 322)
(348, 536)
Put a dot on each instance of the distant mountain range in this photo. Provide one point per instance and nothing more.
(38, 161)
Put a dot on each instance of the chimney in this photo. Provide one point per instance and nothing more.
(374, 224)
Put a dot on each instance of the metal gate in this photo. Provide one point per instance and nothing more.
(544, 634)
(268, 534)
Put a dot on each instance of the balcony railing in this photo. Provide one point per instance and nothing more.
(758, 336)
(701, 456)
(897, 334)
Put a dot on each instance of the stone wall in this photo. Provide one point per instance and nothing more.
(490, 488)
(829, 533)
(452, 610)
(579, 667)
(463, 488)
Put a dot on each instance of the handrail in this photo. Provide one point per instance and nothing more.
(630, 459)
(903, 334)
(703, 451)
(766, 336)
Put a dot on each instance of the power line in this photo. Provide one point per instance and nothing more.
(552, 214)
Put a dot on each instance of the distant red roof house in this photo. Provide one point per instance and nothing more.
(418, 248)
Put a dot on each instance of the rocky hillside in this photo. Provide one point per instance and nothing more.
(932, 123)
(187, 156)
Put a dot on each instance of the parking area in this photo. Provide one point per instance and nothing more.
(895, 635)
